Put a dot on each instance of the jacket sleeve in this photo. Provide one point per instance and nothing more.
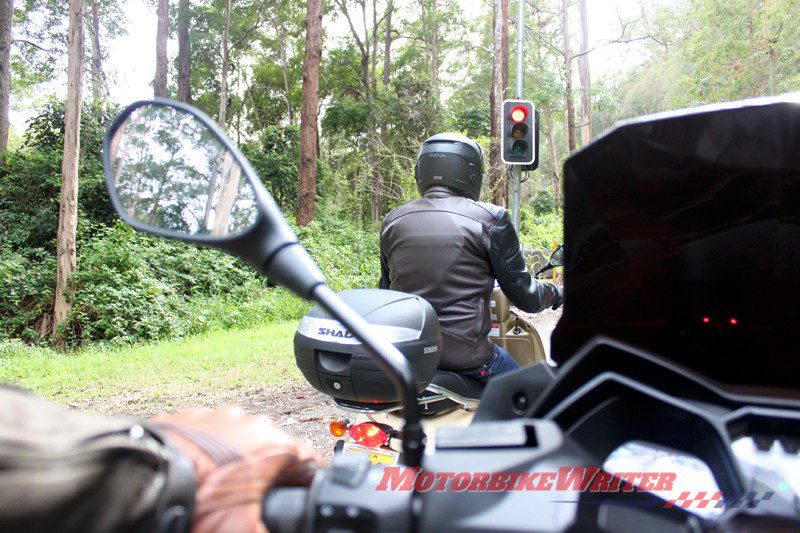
(510, 271)
(384, 283)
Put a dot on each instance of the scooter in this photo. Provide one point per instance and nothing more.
(673, 331)
(450, 400)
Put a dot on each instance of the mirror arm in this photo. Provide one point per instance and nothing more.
(544, 269)
(390, 361)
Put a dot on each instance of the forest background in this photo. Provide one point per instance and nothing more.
(331, 117)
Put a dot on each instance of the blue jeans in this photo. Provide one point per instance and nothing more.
(500, 363)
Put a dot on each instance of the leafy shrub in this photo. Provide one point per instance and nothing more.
(274, 156)
(27, 284)
(347, 255)
(473, 121)
(541, 230)
(30, 182)
(131, 287)
(544, 202)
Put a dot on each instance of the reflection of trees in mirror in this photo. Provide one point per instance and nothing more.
(171, 172)
(557, 258)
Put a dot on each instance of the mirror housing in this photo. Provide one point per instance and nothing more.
(557, 257)
(556, 260)
(268, 244)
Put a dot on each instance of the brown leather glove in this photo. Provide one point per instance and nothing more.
(237, 458)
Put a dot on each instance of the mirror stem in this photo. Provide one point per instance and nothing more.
(390, 361)
(544, 269)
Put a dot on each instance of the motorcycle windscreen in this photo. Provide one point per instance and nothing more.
(682, 236)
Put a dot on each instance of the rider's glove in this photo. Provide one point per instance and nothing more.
(559, 296)
(237, 458)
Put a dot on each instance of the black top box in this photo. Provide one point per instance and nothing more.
(337, 364)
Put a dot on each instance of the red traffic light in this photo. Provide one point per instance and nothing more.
(519, 113)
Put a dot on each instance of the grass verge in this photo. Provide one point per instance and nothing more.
(217, 360)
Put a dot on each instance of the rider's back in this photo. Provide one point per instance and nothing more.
(449, 249)
(438, 247)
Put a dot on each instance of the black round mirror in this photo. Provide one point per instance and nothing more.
(172, 172)
(557, 257)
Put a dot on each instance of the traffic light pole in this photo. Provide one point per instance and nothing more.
(516, 170)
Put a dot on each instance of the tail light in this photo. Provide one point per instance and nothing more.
(369, 434)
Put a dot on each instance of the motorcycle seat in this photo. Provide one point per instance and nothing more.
(458, 385)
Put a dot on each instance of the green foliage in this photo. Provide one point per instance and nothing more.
(711, 51)
(30, 182)
(544, 202)
(347, 255)
(472, 121)
(274, 156)
(29, 187)
(541, 230)
(131, 287)
(27, 284)
(348, 118)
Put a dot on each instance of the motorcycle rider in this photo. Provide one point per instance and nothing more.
(449, 249)
(208, 471)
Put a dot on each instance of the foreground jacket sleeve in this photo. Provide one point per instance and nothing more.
(385, 282)
(510, 271)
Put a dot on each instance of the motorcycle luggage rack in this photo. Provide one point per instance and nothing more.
(427, 397)
(470, 403)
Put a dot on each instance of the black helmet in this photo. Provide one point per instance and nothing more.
(453, 160)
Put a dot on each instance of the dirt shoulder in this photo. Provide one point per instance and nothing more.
(297, 407)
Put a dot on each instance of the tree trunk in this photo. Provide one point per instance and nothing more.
(387, 69)
(6, 15)
(496, 166)
(387, 45)
(306, 192)
(98, 77)
(504, 56)
(423, 22)
(184, 53)
(569, 104)
(501, 190)
(551, 146)
(68, 212)
(586, 79)
(226, 58)
(435, 48)
(374, 73)
(281, 31)
(377, 141)
(160, 81)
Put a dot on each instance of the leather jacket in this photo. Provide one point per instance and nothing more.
(449, 250)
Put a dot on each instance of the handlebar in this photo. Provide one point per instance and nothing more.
(285, 509)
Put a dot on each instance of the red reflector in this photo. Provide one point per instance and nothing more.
(519, 113)
(369, 435)
(706, 320)
(734, 321)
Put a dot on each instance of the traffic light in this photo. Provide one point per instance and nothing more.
(519, 135)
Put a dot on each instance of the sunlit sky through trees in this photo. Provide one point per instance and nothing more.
(131, 57)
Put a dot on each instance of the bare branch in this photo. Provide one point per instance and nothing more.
(343, 9)
(33, 44)
(544, 40)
